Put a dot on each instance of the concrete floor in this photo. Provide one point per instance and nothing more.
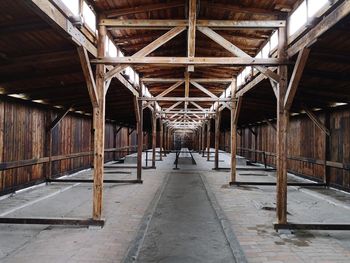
(186, 208)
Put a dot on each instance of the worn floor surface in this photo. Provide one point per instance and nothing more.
(184, 227)
(178, 231)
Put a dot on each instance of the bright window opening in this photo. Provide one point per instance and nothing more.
(274, 41)
(266, 51)
(72, 5)
(89, 17)
(298, 18)
(316, 5)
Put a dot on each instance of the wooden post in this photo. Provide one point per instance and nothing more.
(139, 141)
(161, 139)
(199, 139)
(154, 136)
(99, 127)
(217, 139)
(203, 140)
(326, 147)
(208, 140)
(233, 131)
(282, 125)
(48, 146)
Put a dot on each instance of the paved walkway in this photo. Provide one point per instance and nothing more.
(184, 227)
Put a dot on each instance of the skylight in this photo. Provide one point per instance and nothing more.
(315, 5)
(298, 18)
(89, 17)
(72, 5)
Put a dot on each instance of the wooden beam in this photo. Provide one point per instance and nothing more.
(249, 86)
(164, 24)
(323, 26)
(281, 138)
(235, 50)
(170, 89)
(199, 80)
(238, 109)
(99, 129)
(142, 9)
(147, 49)
(139, 125)
(50, 13)
(136, 108)
(126, 84)
(154, 137)
(173, 106)
(197, 61)
(217, 139)
(270, 124)
(88, 75)
(234, 115)
(274, 87)
(161, 140)
(201, 88)
(208, 139)
(191, 31)
(197, 106)
(59, 117)
(187, 88)
(182, 99)
(316, 120)
(296, 77)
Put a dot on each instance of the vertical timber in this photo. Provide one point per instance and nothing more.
(282, 126)
(203, 140)
(233, 133)
(217, 139)
(99, 128)
(140, 137)
(161, 139)
(208, 140)
(154, 136)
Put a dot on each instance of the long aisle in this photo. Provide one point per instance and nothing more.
(184, 227)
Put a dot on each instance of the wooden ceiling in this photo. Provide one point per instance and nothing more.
(38, 61)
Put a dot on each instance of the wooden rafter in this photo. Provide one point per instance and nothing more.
(147, 50)
(296, 77)
(199, 80)
(198, 61)
(316, 120)
(206, 91)
(89, 77)
(164, 24)
(235, 50)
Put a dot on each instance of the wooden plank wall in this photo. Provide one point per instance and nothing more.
(23, 137)
(306, 146)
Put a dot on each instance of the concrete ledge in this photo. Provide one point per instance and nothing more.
(52, 221)
(311, 226)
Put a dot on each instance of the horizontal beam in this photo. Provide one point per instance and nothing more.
(164, 23)
(181, 99)
(312, 226)
(91, 181)
(52, 221)
(173, 80)
(198, 61)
